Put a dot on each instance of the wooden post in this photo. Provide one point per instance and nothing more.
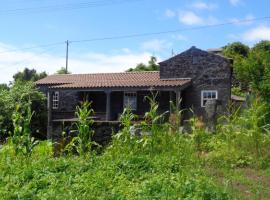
(178, 99)
(49, 108)
(108, 105)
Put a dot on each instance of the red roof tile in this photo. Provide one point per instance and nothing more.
(111, 80)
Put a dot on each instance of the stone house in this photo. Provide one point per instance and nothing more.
(193, 76)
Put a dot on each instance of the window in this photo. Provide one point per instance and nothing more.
(55, 100)
(130, 100)
(208, 95)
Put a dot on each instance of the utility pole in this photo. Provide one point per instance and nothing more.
(172, 52)
(67, 43)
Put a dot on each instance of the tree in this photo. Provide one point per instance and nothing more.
(151, 66)
(4, 86)
(63, 71)
(29, 75)
(258, 68)
(238, 52)
(21, 93)
(236, 49)
(264, 46)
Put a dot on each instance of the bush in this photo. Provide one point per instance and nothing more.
(20, 94)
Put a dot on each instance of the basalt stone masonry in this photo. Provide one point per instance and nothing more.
(194, 76)
(208, 71)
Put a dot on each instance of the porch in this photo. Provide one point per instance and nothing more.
(108, 105)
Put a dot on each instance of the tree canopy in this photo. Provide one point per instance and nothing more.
(151, 66)
(63, 70)
(236, 49)
(4, 86)
(252, 66)
(29, 75)
(258, 67)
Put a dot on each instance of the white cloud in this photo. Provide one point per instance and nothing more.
(235, 2)
(200, 5)
(179, 37)
(190, 18)
(12, 62)
(244, 21)
(170, 13)
(156, 45)
(258, 33)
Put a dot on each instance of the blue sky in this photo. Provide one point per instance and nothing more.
(52, 21)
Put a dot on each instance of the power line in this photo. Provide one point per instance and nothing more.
(169, 31)
(33, 47)
(62, 7)
(139, 34)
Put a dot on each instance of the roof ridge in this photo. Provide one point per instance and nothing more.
(106, 73)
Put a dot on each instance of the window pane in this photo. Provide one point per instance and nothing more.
(130, 100)
(213, 95)
(204, 94)
(55, 100)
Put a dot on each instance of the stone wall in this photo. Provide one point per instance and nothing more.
(103, 131)
(208, 72)
(68, 100)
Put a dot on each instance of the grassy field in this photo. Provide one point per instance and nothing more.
(162, 163)
(116, 174)
(168, 167)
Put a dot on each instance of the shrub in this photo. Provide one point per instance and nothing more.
(21, 93)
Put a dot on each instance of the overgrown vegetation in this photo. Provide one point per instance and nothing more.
(154, 161)
(19, 94)
(21, 139)
(251, 67)
(83, 142)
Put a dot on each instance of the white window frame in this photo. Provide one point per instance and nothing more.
(203, 98)
(55, 100)
(128, 95)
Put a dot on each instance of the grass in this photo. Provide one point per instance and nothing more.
(127, 175)
(159, 163)
(244, 183)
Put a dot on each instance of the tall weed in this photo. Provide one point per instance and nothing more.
(83, 141)
(21, 135)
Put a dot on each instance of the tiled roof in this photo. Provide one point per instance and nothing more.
(111, 80)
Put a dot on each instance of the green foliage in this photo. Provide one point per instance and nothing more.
(238, 92)
(151, 66)
(28, 75)
(4, 87)
(21, 139)
(150, 164)
(236, 49)
(126, 119)
(242, 138)
(258, 67)
(83, 141)
(21, 93)
(251, 67)
(63, 70)
(175, 116)
(238, 52)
